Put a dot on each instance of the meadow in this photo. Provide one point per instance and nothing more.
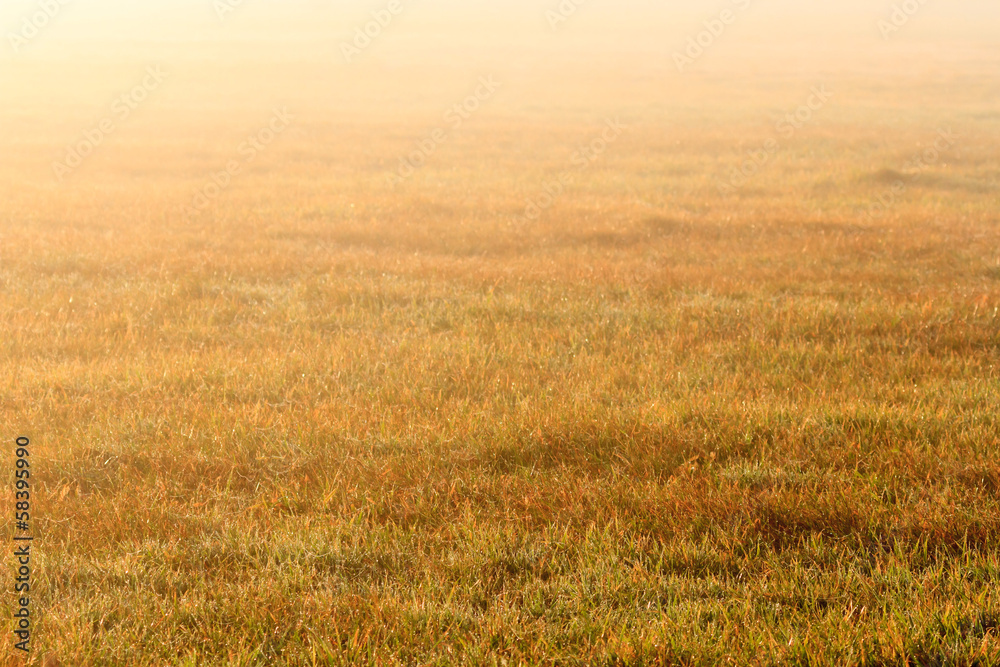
(332, 419)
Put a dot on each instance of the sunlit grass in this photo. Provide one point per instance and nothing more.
(327, 422)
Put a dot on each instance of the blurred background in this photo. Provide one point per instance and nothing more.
(898, 72)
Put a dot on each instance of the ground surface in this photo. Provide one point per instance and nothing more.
(332, 420)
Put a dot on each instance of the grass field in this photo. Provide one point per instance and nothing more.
(334, 419)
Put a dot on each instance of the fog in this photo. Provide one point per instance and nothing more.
(304, 28)
(63, 63)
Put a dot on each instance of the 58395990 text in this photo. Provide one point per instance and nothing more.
(22, 545)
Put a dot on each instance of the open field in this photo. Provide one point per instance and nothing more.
(332, 418)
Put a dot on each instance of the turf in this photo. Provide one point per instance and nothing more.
(332, 421)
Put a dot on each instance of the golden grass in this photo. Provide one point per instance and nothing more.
(327, 421)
